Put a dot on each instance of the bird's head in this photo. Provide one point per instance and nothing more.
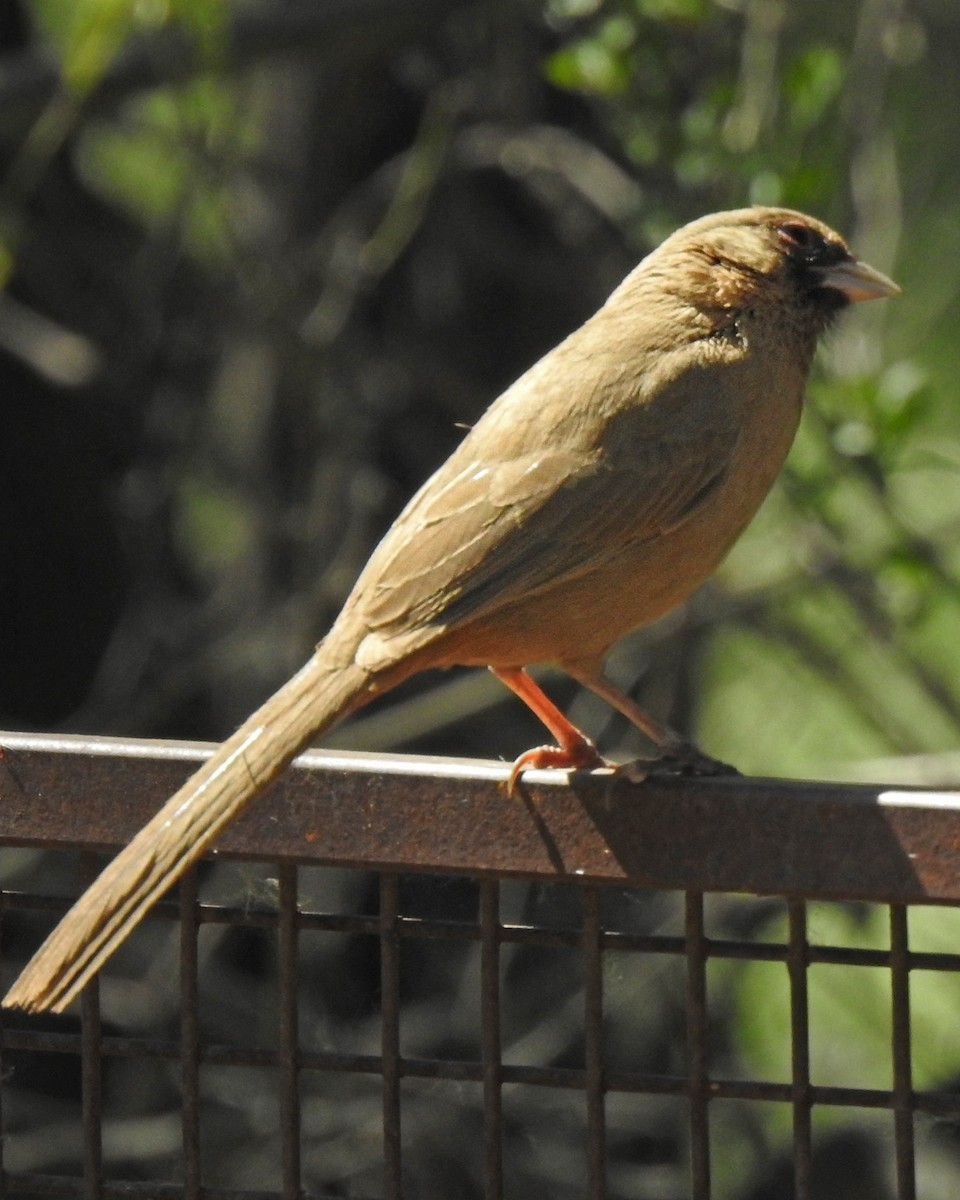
(737, 258)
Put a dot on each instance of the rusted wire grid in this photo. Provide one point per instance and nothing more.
(422, 798)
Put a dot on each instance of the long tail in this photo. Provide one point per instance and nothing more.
(314, 699)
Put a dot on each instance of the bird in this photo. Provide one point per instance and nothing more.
(592, 497)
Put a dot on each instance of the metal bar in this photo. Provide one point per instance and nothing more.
(490, 1045)
(43, 1041)
(903, 1104)
(797, 964)
(190, 1039)
(698, 1082)
(289, 1032)
(91, 1070)
(390, 1034)
(555, 937)
(36, 1184)
(941, 1104)
(395, 813)
(593, 1046)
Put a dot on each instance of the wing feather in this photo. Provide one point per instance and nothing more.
(488, 529)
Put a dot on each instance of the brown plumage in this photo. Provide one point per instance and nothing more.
(592, 497)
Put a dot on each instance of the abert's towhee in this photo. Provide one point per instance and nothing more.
(592, 497)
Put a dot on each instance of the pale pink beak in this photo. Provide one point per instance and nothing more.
(858, 281)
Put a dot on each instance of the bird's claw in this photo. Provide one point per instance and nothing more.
(686, 760)
(579, 756)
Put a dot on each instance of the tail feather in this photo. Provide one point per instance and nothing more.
(314, 699)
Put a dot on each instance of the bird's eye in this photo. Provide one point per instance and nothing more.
(800, 237)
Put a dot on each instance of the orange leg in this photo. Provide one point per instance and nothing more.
(662, 736)
(679, 756)
(573, 750)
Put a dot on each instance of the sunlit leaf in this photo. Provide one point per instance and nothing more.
(812, 82)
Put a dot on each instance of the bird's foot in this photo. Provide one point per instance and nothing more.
(577, 755)
(684, 760)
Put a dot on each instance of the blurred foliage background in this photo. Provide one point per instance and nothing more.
(261, 262)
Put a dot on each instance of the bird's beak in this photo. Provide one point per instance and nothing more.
(858, 281)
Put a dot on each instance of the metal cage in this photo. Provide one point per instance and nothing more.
(575, 936)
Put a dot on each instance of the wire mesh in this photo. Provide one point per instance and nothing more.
(525, 1025)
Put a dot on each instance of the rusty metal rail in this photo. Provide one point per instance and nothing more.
(403, 816)
(400, 813)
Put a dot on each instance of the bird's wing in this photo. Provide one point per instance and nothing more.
(500, 528)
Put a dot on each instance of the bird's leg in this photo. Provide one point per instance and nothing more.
(573, 750)
(678, 755)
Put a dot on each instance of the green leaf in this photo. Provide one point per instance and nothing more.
(588, 66)
(813, 81)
